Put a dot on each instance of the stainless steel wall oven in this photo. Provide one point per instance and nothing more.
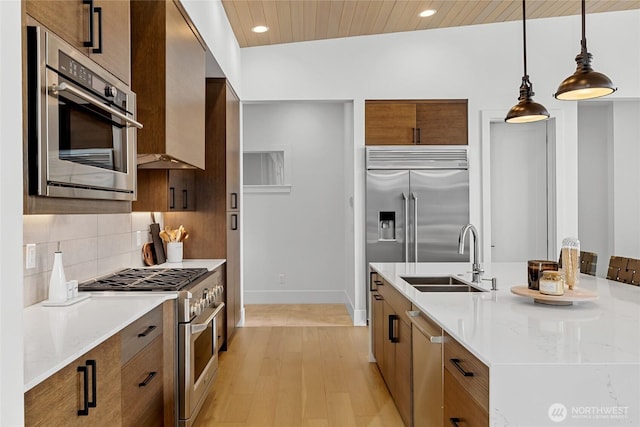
(81, 124)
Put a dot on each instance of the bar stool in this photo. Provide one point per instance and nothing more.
(588, 262)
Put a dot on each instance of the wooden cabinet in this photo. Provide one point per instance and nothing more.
(92, 378)
(72, 21)
(162, 190)
(424, 122)
(466, 386)
(214, 228)
(142, 397)
(395, 342)
(168, 76)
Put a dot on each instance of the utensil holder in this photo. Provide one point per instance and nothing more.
(174, 252)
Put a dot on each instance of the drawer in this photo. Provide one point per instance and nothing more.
(395, 299)
(459, 361)
(460, 409)
(140, 333)
(142, 391)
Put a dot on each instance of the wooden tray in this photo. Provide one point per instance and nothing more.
(569, 297)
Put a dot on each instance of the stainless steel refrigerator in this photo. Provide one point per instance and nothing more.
(417, 201)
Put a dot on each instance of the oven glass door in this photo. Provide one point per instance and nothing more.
(90, 136)
(204, 349)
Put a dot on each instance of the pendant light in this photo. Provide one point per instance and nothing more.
(584, 83)
(526, 110)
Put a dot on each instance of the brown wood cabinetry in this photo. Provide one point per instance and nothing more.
(162, 190)
(412, 122)
(72, 20)
(58, 400)
(395, 339)
(214, 228)
(466, 386)
(168, 76)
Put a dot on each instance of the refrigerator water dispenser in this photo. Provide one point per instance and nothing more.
(387, 225)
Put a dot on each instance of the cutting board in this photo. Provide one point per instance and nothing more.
(157, 243)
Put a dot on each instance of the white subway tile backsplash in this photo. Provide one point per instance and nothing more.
(113, 224)
(113, 263)
(92, 245)
(36, 228)
(69, 227)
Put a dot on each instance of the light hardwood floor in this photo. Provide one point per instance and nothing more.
(298, 376)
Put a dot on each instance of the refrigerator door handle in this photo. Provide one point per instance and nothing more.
(415, 226)
(406, 227)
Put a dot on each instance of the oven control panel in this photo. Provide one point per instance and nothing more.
(206, 299)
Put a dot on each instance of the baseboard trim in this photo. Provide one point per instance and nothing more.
(294, 297)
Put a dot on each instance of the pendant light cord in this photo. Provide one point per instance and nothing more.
(584, 25)
(524, 36)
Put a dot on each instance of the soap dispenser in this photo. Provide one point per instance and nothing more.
(58, 281)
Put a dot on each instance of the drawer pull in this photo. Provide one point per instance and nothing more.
(148, 379)
(454, 422)
(93, 403)
(378, 297)
(146, 331)
(456, 363)
(85, 391)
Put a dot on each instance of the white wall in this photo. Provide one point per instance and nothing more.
(299, 234)
(482, 63)
(11, 353)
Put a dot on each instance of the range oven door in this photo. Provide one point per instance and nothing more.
(82, 137)
(197, 361)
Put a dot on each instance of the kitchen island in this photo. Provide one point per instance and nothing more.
(542, 359)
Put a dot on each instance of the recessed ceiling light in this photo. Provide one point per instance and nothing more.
(428, 12)
(260, 29)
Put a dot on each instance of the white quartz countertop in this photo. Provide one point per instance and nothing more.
(56, 336)
(501, 328)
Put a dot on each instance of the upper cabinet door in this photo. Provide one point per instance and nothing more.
(69, 19)
(72, 20)
(390, 123)
(114, 29)
(443, 123)
(233, 149)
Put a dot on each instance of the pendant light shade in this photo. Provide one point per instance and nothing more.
(584, 83)
(526, 110)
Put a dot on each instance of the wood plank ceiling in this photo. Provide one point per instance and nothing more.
(304, 20)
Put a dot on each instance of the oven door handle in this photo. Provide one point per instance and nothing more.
(64, 87)
(210, 313)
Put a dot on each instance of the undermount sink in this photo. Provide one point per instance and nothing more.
(440, 284)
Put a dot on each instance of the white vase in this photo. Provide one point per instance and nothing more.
(58, 281)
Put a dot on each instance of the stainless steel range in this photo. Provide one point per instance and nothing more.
(200, 326)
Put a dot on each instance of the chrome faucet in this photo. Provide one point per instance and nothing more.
(476, 267)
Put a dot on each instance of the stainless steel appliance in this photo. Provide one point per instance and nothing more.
(417, 201)
(81, 124)
(200, 324)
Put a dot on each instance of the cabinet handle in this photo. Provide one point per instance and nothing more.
(89, 43)
(146, 331)
(85, 381)
(92, 403)
(234, 222)
(413, 135)
(378, 297)
(392, 335)
(419, 141)
(185, 205)
(372, 281)
(148, 379)
(98, 10)
(456, 363)
(454, 422)
(172, 198)
(234, 200)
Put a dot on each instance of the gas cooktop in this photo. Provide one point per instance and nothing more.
(145, 279)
